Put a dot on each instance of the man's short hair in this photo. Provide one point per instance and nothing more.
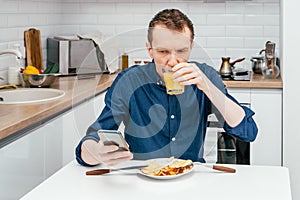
(173, 19)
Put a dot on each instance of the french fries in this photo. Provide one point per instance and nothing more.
(177, 167)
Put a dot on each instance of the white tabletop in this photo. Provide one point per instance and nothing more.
(248, 183)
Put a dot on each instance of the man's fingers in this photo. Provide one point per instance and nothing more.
(116, 157)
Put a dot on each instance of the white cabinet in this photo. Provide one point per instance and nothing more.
(76, 123)
(28, 161)
(267, 105)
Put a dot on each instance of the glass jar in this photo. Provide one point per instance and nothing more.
(270, 70)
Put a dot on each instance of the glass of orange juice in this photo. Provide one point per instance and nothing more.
(172, 87)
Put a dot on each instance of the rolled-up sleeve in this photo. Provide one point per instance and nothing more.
(246, 130)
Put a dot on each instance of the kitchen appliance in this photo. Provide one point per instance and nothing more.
(270, 70)
(258, 62)
(267, 64)
(232, 150)
(75, 56)
(229, 72)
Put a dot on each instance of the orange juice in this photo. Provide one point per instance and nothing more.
(172, 87)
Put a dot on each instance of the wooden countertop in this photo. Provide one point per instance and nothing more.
(257, 81)
(16, 118)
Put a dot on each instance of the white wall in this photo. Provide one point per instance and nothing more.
(232, 28)
(291, 98)
(18, 16)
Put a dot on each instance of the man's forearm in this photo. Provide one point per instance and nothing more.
(231, 112)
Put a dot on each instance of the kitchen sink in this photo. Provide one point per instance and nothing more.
(29, 95)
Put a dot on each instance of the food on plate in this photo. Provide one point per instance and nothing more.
(175, 168)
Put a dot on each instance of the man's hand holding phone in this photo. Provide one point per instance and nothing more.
(110, 150)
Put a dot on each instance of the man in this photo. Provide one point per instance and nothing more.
(158, 124)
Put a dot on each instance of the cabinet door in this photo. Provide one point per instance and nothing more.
(242, 95)
(76, 123)
(22, 166)
(29, 160)
(267, 148)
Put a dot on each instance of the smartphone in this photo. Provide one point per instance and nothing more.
(113, 137)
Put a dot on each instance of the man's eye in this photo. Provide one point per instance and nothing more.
(163, 51)
(182, 51)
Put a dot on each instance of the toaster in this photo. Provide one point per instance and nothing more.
(80, 56)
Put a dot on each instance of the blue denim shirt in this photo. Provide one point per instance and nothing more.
(158, 124)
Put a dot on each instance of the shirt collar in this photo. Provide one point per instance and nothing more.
(155, 76)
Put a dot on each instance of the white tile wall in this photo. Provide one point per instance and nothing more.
(229, 28)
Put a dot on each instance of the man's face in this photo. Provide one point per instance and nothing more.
(168, 47)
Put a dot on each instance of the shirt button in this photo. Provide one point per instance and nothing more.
(173, 139)
(172, 116)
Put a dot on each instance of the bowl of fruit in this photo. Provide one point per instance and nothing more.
(33, 77)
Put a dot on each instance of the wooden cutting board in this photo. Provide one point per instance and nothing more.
(33, 46)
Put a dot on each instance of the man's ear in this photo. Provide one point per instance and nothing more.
(192, 45)
(149, 49)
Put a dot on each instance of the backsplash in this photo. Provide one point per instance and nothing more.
(228, 28)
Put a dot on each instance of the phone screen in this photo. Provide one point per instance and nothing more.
(113, 137)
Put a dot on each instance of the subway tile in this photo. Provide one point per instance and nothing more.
(141, 8)
(244, 31)
(200, 42)
(220, 28)
(207, 30)
(225, 19)
(3, 21)
(53, 19)
(28, 6)
(68, 29)
(262, 20)
(115, 19)
(235, 7)
(17, 20)
(207, 8)
(9, 7)
(38, 19)
(79, 19)
(271, 31)
(255, 42)
(198, 19)
(163, 5)
(141, 19)
(108, 8)
(48, 7)
(215, 52)
(8, 34)
(271, 8)
(254, 8)
(71, 8)
(224, 42)
(107, 30)
(235, 53)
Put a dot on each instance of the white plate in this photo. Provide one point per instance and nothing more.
(164, 162)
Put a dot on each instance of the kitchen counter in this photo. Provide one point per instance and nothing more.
(22, 117)
(248, 183)
(19, 118)
(257, 81)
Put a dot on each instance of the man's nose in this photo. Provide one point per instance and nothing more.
(173, 59)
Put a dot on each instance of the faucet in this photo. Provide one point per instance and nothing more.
(15, 52)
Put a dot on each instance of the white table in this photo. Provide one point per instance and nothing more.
(249, 182)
